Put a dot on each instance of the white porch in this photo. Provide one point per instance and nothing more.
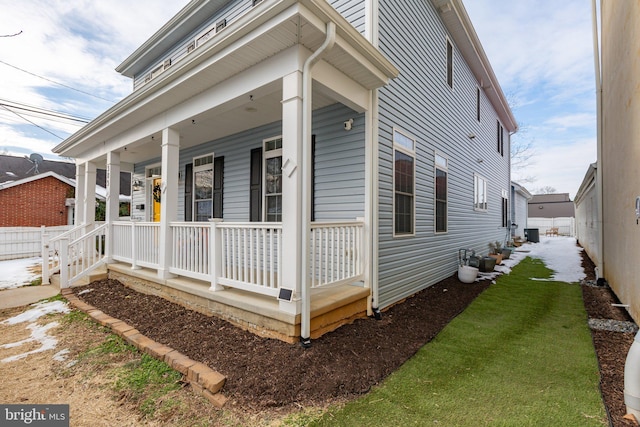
(279, 62)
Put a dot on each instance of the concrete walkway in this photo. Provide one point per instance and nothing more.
(26, 295)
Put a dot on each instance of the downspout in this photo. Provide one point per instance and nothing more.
(599, 178)
(305, 318)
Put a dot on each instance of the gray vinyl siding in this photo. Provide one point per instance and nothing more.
(339, 167)
(440, 118)
(231, 11)
(353, 11)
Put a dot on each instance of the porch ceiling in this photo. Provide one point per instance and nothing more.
(267, 30)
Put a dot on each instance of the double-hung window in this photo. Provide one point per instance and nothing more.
(273, 179)
(403, 183)
(480, 193)
(441, 194)
(203, 187)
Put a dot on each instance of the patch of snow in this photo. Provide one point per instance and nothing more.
(38, 310)
(560, 254)
(38, 334)
(61, 356)
(15, 272)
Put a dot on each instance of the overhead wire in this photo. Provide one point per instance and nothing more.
(34, 124)
(55, 82)
(43, 111)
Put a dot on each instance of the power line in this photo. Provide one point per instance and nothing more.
(12, 35)
(43, 111)
(27, 120)
(55, 82)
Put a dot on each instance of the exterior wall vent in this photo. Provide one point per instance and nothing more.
(220, 25)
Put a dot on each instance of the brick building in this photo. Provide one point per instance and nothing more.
(36, 200)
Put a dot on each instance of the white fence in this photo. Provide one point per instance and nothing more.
(566, 226)
(25, 242)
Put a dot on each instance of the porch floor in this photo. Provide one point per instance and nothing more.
(331, 307)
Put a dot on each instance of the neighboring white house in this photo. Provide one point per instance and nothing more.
(300, 163)
(520, 197)
(586, 201)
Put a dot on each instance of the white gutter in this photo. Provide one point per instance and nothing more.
(599, 183)
(305, 319)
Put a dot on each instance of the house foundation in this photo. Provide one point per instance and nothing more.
(331, 307)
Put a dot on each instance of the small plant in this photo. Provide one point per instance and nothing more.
(495, 247)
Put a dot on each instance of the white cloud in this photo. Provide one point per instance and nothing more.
(75, 42)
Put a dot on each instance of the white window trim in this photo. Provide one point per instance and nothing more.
(477, 177)
(208, 166)
(148, 188)
(268, 155)
(445, 169)
(408, 152)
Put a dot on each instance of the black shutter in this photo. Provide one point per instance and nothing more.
(188, 192)
(255, 186)
(218, 183)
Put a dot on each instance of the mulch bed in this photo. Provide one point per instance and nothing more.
(265, 373)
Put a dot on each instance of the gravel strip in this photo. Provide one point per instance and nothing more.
(613, 325)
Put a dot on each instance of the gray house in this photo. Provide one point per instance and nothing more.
(300, 163)
(520, 197)
(551, 206)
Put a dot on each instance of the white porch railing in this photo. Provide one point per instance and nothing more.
(251, 256)
(245, 255)
(82, 255)
(51, 247)
(191, 250)
(136, 242)
(336, 253)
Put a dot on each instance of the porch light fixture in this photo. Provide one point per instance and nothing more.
(348, 125)
(137, 185)
(472, 136)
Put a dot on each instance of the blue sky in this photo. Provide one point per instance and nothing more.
(541, 52)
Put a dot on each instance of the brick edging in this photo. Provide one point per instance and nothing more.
(204, 380)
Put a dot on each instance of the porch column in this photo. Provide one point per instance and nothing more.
(292, 187)
(89, 203)
(113, 199)
(169, 198)
(78, 216)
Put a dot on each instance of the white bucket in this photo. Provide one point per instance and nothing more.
(467, 274)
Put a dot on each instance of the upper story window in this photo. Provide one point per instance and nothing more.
(480, 193)
(500, 138)
(403, 183)
(449, 64)
(478, 104)
(441, 192)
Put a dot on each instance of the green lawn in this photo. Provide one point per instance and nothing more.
(520, 355)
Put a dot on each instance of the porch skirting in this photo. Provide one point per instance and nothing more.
(331, 307)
